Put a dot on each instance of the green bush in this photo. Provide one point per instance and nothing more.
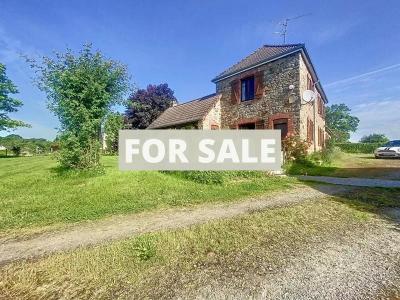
(358, 147)
(215, 177)
(294, 148)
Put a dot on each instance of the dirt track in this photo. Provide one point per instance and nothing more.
(120, 227)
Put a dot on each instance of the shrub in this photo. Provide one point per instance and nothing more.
(215, 177)
(358, 147)
(294, 148)
(113, 124)
(207, 177)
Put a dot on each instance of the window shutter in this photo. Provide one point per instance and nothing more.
(320, 105)
(235, 91)
(258, 84)
(259, 124)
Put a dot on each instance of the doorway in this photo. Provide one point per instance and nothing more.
(282, 125)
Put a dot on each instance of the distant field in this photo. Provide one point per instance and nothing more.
(33, 194)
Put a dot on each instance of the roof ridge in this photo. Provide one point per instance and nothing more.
(284, 45)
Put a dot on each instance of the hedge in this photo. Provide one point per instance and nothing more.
(358, 147)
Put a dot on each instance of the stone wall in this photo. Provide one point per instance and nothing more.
(307, 110)
(213, 119)
(274, 102)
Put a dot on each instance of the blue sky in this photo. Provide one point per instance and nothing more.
(354, 46)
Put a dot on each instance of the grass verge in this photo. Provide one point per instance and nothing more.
(159, 265)
(34, 194)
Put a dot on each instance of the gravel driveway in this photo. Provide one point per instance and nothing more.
(352, 181)
(361, 265)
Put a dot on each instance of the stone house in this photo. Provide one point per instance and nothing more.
(262, 91)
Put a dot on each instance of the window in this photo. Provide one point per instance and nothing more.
(310, 131)
(320, 106)
(247, 126)
(247, 89)
(310, 84)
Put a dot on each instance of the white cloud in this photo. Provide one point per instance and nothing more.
(373, 97)
(378, 117)
(364, 77)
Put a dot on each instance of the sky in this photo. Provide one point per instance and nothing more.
(354, 46)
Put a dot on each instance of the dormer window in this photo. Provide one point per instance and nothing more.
(247, 89)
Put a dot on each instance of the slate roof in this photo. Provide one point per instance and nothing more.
(187, 112)
(262, 54)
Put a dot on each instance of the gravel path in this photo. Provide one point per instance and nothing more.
(120, 227)
(365, 182)
(363, 264)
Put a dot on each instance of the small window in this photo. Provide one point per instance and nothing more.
(247, 89)
(310, 83)
(247, 126)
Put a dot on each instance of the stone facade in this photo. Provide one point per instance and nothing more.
(283, 82)
(213, 119)
(317, 141)
(277, 76)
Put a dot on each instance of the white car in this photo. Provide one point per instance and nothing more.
(390, 149)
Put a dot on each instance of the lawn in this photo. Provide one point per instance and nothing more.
(35, 194)
(352, 165)
(158, 265)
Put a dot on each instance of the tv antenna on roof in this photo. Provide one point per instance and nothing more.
(284, 25)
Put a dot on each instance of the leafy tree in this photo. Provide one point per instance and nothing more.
(341, 122)
(16, 149)
(7, 103)
(145, 105)
(375, 138)
(81, 89)
(114, 123)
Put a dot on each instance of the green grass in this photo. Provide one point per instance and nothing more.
(349, 165)
(155, 265)
(33, 193)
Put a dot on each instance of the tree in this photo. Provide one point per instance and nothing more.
(145, 105)
(113, 124)
(341, 122)
(375, 138)
(16, 149)
(81, 89)
(7, 103)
